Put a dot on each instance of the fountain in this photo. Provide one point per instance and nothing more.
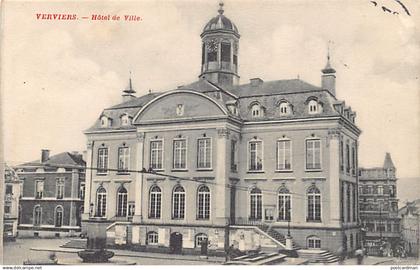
(95, 251)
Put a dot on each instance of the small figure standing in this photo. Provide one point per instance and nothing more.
(359, 255)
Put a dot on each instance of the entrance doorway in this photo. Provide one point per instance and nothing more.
(175, 243)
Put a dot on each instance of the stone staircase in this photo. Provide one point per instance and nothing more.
(75, 243)
(260, 258)
(317, 256)
(276, 235)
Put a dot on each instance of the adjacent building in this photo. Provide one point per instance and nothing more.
(13, 192)
(52, 195)
(379, 207)
(234, 163)
(410, 227)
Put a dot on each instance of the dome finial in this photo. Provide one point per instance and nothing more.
(221, 4)
(328, 68)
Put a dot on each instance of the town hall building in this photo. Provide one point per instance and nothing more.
(237, 164)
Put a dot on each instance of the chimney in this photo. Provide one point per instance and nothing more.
(256, 81)
(45, 155)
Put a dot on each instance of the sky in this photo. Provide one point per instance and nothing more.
(57, 76)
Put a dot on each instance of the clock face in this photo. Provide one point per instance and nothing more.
(212, 45)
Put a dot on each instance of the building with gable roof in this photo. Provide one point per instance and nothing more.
(51, 201)
(241, 164)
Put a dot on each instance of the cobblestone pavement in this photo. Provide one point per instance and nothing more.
(15, 253)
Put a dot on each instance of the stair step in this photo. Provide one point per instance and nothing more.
(272, 259)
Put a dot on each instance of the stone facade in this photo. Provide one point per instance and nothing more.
(218, 160)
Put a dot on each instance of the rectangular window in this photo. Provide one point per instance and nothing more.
(233, 165)
(341, 156)
(123, 159)
(9, 189)
(82, 191)
(348, 203)
(39, 189)
(60, 188)
(284, 155)
(152, 238)
(7, 208)
(102, 160)
(204, 153)
(156, 155)
(180, 154)
(225, 52)
(131, 208)
(255, 156)
(353, 161)
(212, 56)
(203, 53)
(380, 190)
(347, 158)
(354, 190)
(313, 154)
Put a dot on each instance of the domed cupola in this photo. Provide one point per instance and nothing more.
(220, 42)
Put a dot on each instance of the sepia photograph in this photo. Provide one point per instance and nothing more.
(233, 132)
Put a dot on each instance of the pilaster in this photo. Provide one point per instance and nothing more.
(222, 193)
(334, 173)
(88, 181)
(138, 199)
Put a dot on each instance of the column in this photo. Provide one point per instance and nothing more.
(334, 176)
(222, 194)
(88, 181)
(139, 178)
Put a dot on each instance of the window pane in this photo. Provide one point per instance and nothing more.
(225, 52)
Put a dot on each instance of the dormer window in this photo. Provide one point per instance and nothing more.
(105, 121)
(125, 120)
(256, 111)
(285, 108)
(314, 107)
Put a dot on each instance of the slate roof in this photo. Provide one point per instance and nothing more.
(274, 87)
(268, 94)
(220, 22)
(388, 164)
(62, 158)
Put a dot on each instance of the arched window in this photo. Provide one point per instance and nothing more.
(58, 216)
(101, 202)
(256, 111)
(178, 203)
(152, 238)
(285, 108)
(203, 203)
(37, 215)
(199, 238)
(314, 204)
(313, 242)
(255, 204)
(155, 199)
(284, 204)
(122, 202)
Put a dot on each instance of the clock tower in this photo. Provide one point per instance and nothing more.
(220, 43)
